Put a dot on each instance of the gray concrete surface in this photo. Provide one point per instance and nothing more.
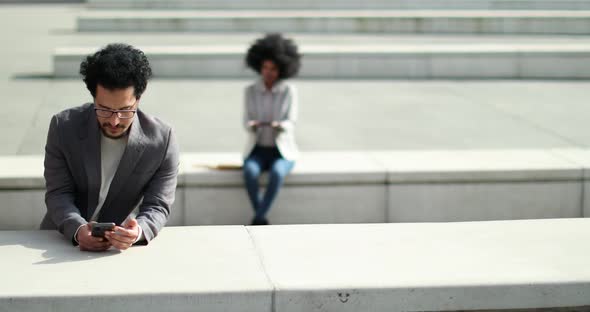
(342, 4)
(363, 22)
(427, 267)
(218, 269)
(360, 187)
(511, 60)
(334, 114)
(407, 267)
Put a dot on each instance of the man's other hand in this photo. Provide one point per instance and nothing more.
(124, 237)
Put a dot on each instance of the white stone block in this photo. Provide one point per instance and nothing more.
(477, 166)
(198, 169)
(330, 204)
(576, 156)
(184, 268)
(294, 204)
(312, 168)
(21, 209)
(217, 206)
(338, 167)
(22, 172)
(428, 267)
(341, 5)
(339, 21)
(548, 65)
(456, 60)
(444, 202)
(177, 217)
(580, 157)
(66, 64)
(458, 65)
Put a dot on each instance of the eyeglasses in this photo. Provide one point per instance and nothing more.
(121, 114)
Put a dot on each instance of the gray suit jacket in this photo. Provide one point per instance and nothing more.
(146, 175)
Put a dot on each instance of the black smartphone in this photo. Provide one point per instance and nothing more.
(98, 229)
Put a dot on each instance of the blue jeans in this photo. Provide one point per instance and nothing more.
(265, 159)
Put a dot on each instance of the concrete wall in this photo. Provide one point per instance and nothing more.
(491, 266)
(413, 61)
(343, 4)
(378, 21)
(207, 269)
(355, 187)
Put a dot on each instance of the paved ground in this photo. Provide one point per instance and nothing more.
(334, 115)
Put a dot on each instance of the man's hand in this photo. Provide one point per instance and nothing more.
(90, 243)
(275, 125)
(124, 237)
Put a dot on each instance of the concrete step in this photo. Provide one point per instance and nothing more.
(483, 266)
(343, 4)
(510, 266)
(361, 187)
(370, 21)
(97, 39)
(423, 61)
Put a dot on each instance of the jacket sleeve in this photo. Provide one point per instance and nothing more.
(60, 186)
(247, 114)
(159, 193)
(291, 111)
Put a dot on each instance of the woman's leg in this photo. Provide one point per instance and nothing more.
(252, 169)
(279, 169)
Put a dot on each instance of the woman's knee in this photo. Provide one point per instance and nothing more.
(277, 173)
(251, 169)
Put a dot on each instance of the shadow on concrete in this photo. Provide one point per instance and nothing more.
(55, 248)
(33, 76)
(39, 1)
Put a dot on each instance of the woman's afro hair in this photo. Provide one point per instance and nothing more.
(281, 51)
(116, 66)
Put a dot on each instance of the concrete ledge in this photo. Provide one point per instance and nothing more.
(22, 172)
(441, 186)
(412, 22)
(418, 61)
(342, 4)
(450, 202)
(372, 187)
(581, 157)
(318, 190)
(478, 166)
(427, 267)
(216, 269)
(313, 168)
(504, 266)
(296, 204)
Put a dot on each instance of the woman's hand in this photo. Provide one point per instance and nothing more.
(276, 125)
(253, 124)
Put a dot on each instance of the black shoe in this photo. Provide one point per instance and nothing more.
(259, 221)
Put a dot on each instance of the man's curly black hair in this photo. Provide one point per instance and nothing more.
(116, 66)
(281, 51)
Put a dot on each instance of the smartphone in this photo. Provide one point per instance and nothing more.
(264, 124)
(98, 229)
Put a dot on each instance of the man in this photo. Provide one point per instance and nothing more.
(104, 159)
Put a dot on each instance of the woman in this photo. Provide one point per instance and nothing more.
(269, 118)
